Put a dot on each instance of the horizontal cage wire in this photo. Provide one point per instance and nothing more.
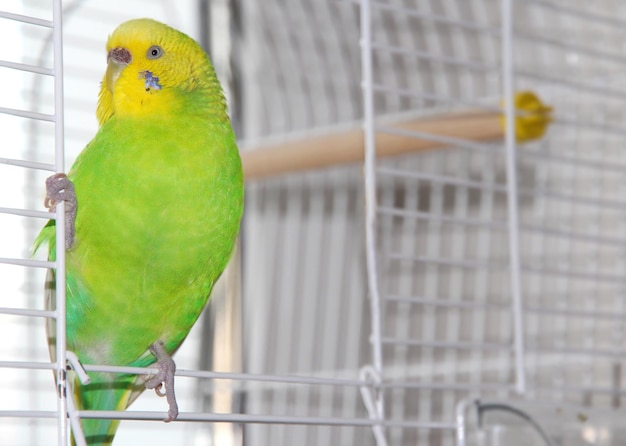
(492, 306)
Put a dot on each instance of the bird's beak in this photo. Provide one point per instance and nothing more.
(117, 59)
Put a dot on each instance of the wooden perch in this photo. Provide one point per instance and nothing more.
(346, 146)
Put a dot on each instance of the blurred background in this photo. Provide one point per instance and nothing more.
(499, 279)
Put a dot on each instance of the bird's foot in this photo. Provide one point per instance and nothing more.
(165, 377)
(60, 188)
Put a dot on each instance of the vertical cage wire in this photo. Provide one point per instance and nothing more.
(508, 83)
(376, 405)
(59, 141)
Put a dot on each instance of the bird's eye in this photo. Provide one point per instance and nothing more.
(154, 52)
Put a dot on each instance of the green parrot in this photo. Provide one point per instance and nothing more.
(153, 205)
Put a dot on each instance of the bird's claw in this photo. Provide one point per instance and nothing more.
(164, 378)
(60, 188)
(159, 392)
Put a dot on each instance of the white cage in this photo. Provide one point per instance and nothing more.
(462, 288)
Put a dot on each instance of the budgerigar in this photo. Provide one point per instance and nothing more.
(157, 206)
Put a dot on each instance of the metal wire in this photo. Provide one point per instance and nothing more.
(376, 407)
(59, 150)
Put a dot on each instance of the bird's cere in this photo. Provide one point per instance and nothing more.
(120, 56)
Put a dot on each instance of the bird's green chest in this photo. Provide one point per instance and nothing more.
(157, 220)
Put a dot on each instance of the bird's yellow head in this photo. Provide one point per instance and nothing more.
(152, 67)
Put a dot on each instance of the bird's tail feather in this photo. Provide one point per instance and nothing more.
(105, 392)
